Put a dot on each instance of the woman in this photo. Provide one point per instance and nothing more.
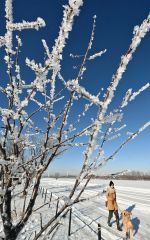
(112, 204)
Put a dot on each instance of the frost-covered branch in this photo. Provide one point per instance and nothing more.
(27, 25)
(132, 136)
(139, 33)
(74, 86)
(99, 54)
(70, 11)
(131, 96)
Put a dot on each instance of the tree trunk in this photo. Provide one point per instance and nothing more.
(11, 234)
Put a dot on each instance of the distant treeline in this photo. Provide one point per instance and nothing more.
(127, 177)
(59, 176)
(132, 175)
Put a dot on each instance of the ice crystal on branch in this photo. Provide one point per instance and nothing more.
(73, 85)
(135, 94)
(99, 54)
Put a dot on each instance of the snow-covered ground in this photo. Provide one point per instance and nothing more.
(131, 195)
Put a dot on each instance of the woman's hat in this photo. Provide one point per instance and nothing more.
(111, 183)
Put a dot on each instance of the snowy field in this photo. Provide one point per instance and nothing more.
(131, 195)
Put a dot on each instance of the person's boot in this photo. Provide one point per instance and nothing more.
(109, 224)
(118, 226)
(109, 218)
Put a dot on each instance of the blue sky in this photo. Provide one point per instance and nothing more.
(115, 22)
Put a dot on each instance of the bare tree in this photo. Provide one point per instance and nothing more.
(27, 149)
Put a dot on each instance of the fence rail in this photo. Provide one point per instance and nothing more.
(74, 212)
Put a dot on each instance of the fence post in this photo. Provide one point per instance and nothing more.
(42, 192)
(41, 222)
(57, 207)
(99, 232)
(70, 215)
(45, 196)
(50, 199)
